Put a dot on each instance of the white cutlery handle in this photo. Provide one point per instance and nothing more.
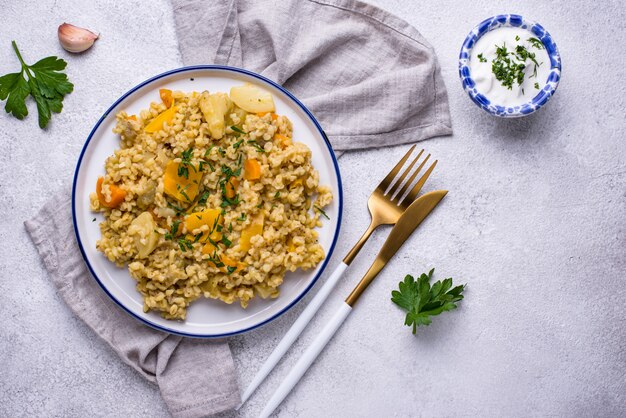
(294, 331)
(306, 360)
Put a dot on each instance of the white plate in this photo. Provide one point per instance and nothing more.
(205, 317)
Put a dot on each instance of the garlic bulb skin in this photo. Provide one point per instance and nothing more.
(75, 39)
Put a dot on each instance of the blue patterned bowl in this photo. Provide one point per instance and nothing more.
(544, 94)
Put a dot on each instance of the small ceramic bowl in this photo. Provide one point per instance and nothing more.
(546, 91)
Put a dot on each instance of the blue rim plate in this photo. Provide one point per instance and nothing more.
(544, 94)
(205, 318)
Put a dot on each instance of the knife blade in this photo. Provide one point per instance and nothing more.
(408, 222)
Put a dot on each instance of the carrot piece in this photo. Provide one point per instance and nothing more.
(117, 194)
(256, 228)
(166, 97)
(132, 117)
(274, 116)
(231, 187)
(282, 140)
(210, 249)
(261, 114)
(183, 189)
(209, 217)
(252, 169)
(166, 116)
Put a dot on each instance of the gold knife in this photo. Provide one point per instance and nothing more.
(411, 219)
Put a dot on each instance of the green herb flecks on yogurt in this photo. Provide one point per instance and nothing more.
(509, 65)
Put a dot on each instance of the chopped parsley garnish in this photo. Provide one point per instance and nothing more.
(229, 202)
(277, 195)
(216, 259)
(226, 241)
(509, 66)
(242, 217)
(254, 144)
(536, 43)
(230, 227)
(320, 210)
(183, 167)
(203, 198)
(184, 244)
(236, 129)
(207, 153)
(182, 192)
(537, 86)
(517, 37)
(221, 151)
(170, 235)
(231, 269)
(93, 220)
(177, 209)
(197, 237)
(237, 144)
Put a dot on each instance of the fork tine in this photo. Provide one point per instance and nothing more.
(392, 174)
(397, 183)
(413, 193)
(410, 181)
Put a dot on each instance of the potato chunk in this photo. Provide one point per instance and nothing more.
(252, 98)
(142, 229)
(215, 107)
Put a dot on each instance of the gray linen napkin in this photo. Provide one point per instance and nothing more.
(196, 377)
(370, 79)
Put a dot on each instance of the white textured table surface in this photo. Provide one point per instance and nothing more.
(534, 224)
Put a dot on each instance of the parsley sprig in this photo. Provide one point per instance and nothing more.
(423, 301)
(44, 82)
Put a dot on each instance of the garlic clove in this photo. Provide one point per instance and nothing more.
(76, 39)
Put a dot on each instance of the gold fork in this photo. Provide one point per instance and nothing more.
(386, 204)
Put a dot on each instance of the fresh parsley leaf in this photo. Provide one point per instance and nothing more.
(44, 82)
(230, 269)
(537, 86)
(423, 301)
(481, 58)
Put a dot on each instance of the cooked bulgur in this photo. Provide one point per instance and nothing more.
(203, 205)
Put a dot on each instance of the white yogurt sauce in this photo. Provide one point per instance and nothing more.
(485, 79)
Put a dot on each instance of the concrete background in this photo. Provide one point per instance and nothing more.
(534, 224)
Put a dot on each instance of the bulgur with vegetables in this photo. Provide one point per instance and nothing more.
(209, 195)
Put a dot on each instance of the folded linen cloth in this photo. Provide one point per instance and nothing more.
(370, 79)
(196, 377)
